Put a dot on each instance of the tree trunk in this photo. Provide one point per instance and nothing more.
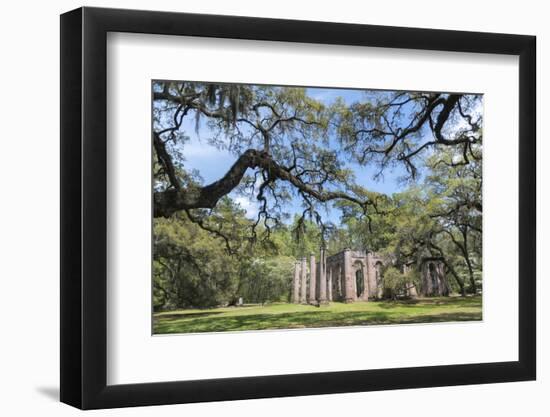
(458, 280)
(473, 288)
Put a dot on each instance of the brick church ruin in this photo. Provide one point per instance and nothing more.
(350, 276)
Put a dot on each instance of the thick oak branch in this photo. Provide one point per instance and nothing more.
(169, 201)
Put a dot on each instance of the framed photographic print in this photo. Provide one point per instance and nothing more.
(257, 208)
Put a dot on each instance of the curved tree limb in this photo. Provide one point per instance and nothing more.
(169, 201)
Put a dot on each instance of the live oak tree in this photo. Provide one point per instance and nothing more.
(191, 268)
(278, 133)
(439, 219)
(457, 207)
(287, 146)
(436, 134)
(286, 140)
(417, 236)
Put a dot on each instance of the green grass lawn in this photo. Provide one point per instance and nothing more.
(295, 316)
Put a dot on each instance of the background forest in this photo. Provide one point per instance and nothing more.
(398, 173)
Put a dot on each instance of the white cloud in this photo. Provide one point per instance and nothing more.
(249, 206)
(200, 149)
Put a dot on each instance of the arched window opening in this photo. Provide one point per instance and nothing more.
(359, 282)
(378, 270)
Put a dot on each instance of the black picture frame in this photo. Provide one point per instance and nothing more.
(84, 207)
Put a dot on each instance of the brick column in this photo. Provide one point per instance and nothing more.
(329, 284)
(296, 283)
(339, 291)
(312, 279)
(303, 284)
(371, 273)
(322, 278)
(349, 296)
(366, 284)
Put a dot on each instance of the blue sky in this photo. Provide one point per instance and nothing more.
(213, 163)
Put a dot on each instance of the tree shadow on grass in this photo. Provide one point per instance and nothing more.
(175, 316)
(397, 303)
(305, 320)
(459, 302)
(444, 317)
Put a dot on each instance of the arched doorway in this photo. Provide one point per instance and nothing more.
(359, 281)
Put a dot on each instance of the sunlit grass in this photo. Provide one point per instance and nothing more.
(293, 316)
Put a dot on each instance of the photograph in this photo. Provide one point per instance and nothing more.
(283, 207)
